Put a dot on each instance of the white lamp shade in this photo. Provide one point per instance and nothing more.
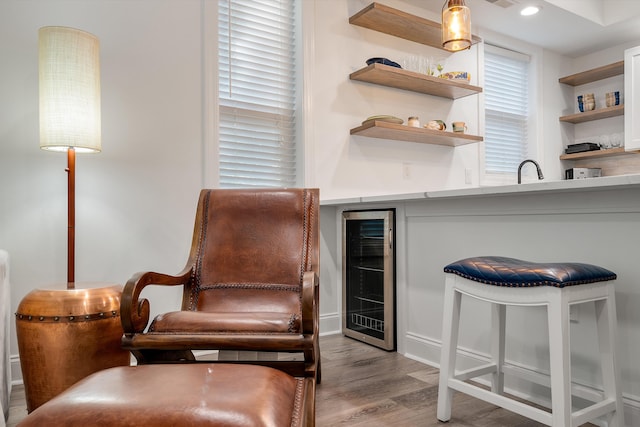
(456, 26)
(69, 72)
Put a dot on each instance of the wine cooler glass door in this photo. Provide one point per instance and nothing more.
(368, 297)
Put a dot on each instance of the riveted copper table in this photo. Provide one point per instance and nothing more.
(65, 335)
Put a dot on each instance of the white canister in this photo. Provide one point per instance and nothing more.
(413, 122)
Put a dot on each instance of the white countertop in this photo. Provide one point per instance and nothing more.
(537, 187)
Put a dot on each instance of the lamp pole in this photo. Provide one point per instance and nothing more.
(71, 217)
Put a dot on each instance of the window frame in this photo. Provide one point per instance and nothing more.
(211, 104)
(535, 147)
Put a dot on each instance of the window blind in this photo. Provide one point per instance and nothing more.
(257, 91)
(506, 90)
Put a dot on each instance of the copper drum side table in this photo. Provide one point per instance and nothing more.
(65, 335)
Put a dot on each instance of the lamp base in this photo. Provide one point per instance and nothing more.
(66, 335)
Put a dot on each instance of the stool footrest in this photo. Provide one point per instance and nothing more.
(544, 380)
(593, 411)
(527, 375)
(476, 372)
(579, 417)
(502, 401)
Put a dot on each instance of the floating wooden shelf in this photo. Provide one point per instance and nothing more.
(610, 152)
(397, 23)
(587, 116)
(594, 75)
(387, 75)
(386, 130)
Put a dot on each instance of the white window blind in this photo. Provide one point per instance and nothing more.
(506, 91)
(257, 90)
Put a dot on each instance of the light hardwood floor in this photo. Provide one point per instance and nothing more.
(365, 386)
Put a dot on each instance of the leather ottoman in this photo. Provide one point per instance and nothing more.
(196, 394)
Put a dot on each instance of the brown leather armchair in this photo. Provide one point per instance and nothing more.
(250, 283)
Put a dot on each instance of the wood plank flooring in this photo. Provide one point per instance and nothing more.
(17, 406)
(365, 386)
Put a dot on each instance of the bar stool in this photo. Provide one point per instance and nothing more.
(505, 281)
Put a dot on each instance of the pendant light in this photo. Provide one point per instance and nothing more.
(456, 25)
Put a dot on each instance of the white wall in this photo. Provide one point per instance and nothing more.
(135, 200)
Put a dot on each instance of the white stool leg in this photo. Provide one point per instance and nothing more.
(607, 327)
(498, 329)
(560, 359)
(450, 323)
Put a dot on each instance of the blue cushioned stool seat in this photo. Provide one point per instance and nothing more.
(554, 287)
(511, 272)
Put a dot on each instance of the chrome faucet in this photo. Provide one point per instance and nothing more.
(540, 176)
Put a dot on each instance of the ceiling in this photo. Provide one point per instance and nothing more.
(570, 27)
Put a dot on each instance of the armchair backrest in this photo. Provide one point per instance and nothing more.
(251, 248)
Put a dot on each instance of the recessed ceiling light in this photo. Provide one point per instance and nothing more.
(529, 10)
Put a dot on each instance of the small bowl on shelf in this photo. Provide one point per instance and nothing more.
(383, 118)
(436, 125)
(383, 61)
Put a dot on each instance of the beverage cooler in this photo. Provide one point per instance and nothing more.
(368, 278)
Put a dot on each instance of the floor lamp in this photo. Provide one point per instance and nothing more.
(65, 335)
(69, 74)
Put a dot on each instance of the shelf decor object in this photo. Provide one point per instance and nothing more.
(66, 334)
(456, 26)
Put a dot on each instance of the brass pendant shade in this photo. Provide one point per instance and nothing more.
(456, 26)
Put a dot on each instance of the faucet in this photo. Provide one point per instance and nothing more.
(540, 176)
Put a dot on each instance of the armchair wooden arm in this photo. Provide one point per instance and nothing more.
(310, 300)
(135, 312)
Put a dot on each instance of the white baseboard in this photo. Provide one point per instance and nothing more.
(330, 324)
(16, 371)
(427, 351)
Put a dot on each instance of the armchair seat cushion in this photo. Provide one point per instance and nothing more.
(200, 322)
